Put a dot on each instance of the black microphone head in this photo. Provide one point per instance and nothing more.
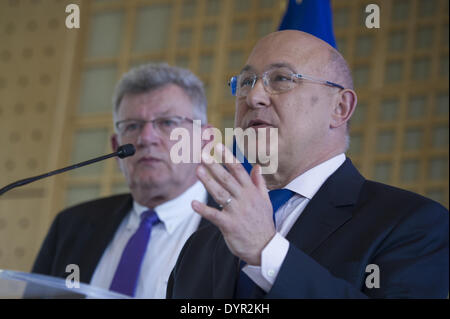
(125, 150)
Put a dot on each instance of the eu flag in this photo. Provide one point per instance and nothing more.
(311, 16)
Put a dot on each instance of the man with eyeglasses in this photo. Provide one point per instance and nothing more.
(129, 243)
(323, 230)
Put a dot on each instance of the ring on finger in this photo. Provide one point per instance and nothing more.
(227, 202)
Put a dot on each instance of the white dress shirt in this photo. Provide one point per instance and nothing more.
(178, 222)
(305, 187)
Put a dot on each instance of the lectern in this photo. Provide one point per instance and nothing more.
(18, 285)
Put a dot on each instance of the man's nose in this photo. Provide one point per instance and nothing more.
(148, 135)
(258, 97)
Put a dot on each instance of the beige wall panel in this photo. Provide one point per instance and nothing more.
(33, 50)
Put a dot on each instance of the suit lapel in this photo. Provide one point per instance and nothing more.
(329, 209)
(100, 233)
(315, 224)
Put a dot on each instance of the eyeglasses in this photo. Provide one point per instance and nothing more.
(275, 81)
(163, 125)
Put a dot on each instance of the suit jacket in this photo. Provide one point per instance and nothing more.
(80, 234)
(349, 224)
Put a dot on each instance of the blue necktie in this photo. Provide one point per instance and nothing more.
(127, 272)
(278, 197)
(245, 286)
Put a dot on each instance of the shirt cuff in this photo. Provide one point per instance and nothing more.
(272, 258)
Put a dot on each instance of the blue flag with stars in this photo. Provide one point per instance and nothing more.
(311, 16)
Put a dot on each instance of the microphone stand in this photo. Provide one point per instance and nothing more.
(123, 151)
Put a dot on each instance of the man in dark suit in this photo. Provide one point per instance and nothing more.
(129, 243)
(336, 234)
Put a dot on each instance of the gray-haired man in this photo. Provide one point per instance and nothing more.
(130, 243)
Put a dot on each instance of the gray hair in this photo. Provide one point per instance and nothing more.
(149, 77)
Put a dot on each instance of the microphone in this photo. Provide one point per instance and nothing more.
(122, 152)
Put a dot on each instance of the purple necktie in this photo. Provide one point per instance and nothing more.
(127, 273)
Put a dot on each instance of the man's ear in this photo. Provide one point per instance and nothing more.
(115, 145)
(114, 142)
(344, 108)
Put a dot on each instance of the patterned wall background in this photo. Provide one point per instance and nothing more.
(35, 63)
(56, 86)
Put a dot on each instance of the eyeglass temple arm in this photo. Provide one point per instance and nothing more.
(300, 76)
(232, 83)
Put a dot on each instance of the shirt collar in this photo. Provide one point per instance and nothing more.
(308, 183)
(173, 212)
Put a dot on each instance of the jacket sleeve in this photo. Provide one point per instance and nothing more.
(412, 261)
(44, 262)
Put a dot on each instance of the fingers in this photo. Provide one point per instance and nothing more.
(238, 171)
(213, 215)
(224, 185)
(219, 176)
(257, 179)
(234, 167)
(217, 191)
